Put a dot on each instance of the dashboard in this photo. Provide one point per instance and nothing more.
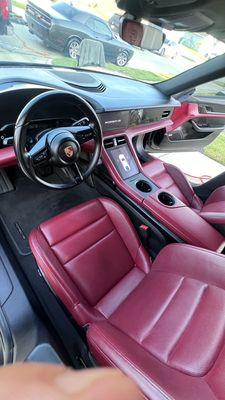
(118, 101)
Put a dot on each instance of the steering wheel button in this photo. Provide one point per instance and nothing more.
(40, 157)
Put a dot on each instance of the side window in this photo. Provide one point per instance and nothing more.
(214, 88)
(102, 28)
(99, 27)
(91, 23)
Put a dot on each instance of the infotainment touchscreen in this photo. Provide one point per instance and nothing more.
(123, 161)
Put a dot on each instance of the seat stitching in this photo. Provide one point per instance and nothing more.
(128, 361)
(164, 310)
(170, 355)
(197, 249)
(89, 247)
(71, 234)
(189, 276)
(118, 232)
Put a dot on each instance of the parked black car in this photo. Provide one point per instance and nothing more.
(63, 27)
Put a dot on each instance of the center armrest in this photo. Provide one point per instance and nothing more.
(186, 223)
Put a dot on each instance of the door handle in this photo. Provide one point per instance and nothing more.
(206, 129)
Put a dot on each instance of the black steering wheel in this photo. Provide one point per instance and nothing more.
(58, 148)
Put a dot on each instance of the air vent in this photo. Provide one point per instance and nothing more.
(114, 142)
(99, 89)
(109, 143)
(166, 113)
(121, 140)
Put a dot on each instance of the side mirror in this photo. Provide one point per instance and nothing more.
(149, 37)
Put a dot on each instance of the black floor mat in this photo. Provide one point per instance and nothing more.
(30, 204)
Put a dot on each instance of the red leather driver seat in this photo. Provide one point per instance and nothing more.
(162, 324)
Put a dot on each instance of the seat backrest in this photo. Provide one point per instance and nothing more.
(85, 252)
(184, 186)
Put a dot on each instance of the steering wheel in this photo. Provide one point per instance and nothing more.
(59, 148)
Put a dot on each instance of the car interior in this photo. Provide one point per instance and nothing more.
(109, 256)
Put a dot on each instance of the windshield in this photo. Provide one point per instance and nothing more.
(85, 34)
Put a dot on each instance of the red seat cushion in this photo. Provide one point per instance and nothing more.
(174, 337)
(162, 324)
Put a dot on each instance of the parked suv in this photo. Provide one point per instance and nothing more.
(63, 27)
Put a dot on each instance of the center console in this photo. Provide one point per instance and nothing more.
(129, 176)
(125, 164)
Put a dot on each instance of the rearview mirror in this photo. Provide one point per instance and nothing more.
(149, 37)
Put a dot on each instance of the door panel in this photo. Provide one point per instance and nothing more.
(195, 125)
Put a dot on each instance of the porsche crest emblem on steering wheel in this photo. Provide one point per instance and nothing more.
(69, 151)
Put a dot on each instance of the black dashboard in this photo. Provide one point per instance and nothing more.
(120, 103)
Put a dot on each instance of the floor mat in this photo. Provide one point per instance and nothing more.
(30, 204)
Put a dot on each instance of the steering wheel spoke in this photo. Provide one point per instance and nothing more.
(72, 174)
(39, 154)
(83, 134)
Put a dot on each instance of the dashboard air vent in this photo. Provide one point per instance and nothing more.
(121, 140)
(114, 142)
(166, 113)
(109, 143)
(99, 89)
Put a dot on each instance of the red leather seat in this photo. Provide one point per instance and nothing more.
(169, 177)
(162, 324)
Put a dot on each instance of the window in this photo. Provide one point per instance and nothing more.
(212, 89)
(99, 27)
(65, 9)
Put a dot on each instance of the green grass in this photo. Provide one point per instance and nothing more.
(130, 72)
(19, 4)
(138, 74)
(64, 62)
(216, 150)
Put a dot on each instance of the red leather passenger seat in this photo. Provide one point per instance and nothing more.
(162, 324)
(169, 177)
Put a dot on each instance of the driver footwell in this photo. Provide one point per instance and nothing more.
(30, 204)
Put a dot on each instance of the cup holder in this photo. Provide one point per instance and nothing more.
(166, 199)
(143, 186)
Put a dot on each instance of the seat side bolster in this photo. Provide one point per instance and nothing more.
(218, 195)
(110, 347)
(59, 281)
